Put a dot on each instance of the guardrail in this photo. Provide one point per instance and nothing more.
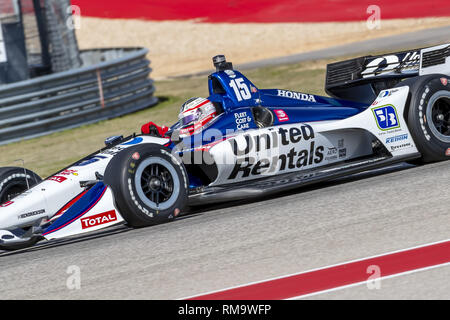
(112, 82)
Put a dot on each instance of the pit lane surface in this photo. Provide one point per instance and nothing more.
(229, 245)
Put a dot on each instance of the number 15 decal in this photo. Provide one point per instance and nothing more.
(240, 89)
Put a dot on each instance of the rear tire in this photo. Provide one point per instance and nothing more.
(14, 181)
(150, 185)
(428, 116)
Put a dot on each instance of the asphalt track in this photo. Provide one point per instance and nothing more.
(228, 245)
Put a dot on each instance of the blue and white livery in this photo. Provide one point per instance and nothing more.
(249, 142)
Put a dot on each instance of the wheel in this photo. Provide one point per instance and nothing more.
(149, 184)
(14, 181)
(428, 116)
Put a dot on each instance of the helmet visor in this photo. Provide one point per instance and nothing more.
(189, 119)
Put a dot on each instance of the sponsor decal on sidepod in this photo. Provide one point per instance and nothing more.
(270, 141)
(386, 117)
(281, 115)
(296, 95)
(58, 179)
(397, 138)
(98, 219)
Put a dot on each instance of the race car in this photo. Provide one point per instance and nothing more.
(241, 142)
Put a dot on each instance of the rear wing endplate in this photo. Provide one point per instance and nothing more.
(376, 73)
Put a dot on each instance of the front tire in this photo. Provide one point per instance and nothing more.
(150, 185)
(14, 181)
(428, 116)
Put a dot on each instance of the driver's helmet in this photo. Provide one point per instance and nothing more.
(196, 113)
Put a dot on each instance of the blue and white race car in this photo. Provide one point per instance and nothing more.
(241, 142)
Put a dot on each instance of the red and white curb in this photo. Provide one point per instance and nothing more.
(339, 276)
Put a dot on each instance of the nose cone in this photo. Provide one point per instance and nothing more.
(23, 210)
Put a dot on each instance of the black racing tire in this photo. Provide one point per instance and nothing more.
(150, 185)
(14, 181)
(428, 116)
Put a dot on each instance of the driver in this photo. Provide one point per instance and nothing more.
(195, 114)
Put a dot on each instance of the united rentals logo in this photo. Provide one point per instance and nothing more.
(272, 141)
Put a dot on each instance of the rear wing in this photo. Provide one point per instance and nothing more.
(361, 79)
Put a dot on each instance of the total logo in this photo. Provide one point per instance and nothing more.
(98, 219)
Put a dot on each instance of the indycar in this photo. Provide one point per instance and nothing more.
(380, 110)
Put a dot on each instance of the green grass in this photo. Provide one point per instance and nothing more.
(46, 155)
